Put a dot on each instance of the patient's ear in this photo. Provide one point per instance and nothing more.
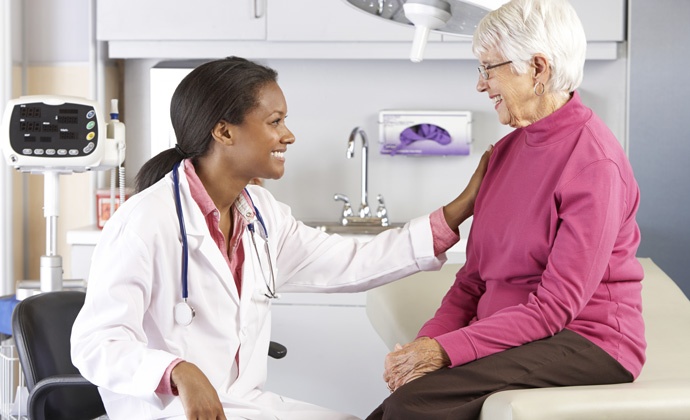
(222, 132)
(541, 68)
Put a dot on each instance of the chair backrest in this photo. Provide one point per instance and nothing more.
(42, 326)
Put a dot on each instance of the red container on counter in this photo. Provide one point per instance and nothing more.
(103, 203)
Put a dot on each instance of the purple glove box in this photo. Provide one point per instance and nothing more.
(425, 133)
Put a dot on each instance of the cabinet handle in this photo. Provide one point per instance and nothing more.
(259, 8)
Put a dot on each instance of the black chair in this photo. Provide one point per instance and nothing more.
(41, 326)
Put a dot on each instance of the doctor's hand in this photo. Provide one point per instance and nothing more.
(458, 210)
(414, 360)
(199, 398)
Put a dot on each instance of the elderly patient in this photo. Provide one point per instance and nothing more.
(550, 292)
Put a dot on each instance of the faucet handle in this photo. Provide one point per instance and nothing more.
(381, 211)
(382, 206)
(347, 209)
(343, 198)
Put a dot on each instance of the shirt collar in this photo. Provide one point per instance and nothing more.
(242, 206)
(245, 208)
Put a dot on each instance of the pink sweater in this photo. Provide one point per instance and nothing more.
(552, 246)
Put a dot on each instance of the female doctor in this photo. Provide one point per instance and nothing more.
(176, 322)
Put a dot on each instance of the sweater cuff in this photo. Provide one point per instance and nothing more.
(165, 386)
(458, 346)
(444, 236)
(431, 330)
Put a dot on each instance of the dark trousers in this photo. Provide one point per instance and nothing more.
(458, 393)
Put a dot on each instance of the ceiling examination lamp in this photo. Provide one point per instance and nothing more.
(425, 15)
(449, 17)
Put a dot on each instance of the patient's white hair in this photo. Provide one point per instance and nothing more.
(522, 28)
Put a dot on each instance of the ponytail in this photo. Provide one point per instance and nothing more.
(156, 168)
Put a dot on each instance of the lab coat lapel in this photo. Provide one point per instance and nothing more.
(201, 245)
(248, 275)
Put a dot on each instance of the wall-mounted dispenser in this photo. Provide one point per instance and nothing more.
(425, 133)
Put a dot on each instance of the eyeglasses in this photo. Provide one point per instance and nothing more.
(483, 69)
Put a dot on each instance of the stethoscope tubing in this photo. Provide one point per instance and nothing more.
(183, 231)
(185, 247)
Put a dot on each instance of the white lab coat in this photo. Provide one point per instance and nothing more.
(125, 336)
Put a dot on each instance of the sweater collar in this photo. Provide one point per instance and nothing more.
(559, 124)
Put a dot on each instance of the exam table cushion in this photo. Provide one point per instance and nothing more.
(398, 310)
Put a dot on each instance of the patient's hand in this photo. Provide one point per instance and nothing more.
(463, 207)
(413, 360)
(199, 398)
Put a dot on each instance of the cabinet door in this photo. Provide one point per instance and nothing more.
(143, 20)
(334, 359)
(331, 20)
(602, 20)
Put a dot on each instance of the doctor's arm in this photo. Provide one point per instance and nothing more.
(312, 261)
(460, 209)
(199, 398)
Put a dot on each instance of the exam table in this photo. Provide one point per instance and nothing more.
(398, 310)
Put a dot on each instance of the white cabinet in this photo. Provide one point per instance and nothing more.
(151, 20)
(331, 20)
(335, 357)
(603, 20)
(604, 23)
(299, 29)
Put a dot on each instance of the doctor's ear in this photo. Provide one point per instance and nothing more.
(222, 132)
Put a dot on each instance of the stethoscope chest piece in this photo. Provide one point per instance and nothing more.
(184, 313)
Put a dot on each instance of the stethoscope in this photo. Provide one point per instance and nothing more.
(183, 311)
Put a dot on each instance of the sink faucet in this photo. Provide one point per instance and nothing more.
(364, 208)
(364, 217)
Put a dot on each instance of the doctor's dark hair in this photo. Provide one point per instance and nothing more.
(226, 89)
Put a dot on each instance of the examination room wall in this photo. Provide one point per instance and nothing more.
(328, 98)
(659, 139)
(29, 222)
(56, 54)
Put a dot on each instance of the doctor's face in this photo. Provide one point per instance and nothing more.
(263, 137)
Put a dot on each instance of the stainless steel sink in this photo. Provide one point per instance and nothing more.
(352, 229)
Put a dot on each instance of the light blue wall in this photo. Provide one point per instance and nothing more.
(659, 134)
